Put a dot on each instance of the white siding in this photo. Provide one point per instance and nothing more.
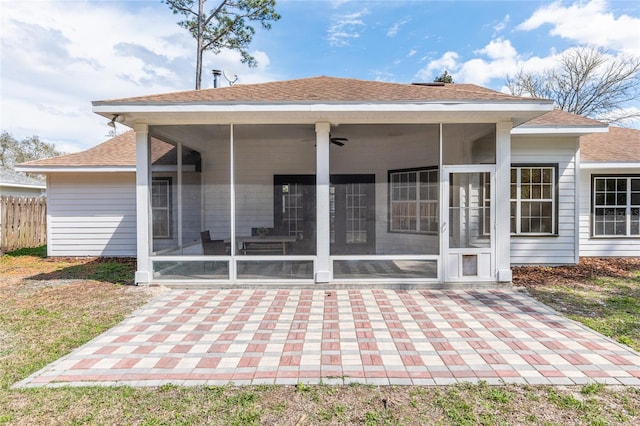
(21, 192)
(91, 214)
(589, 246)
(560, 249)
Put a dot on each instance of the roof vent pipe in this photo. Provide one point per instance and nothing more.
(216, 77)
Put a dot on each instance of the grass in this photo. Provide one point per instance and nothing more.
(608, 305)
(48, 307)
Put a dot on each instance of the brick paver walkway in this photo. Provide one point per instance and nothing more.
(421, 337)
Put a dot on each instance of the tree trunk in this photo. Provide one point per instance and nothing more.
(200, 42)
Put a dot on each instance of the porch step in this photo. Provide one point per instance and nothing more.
(333, 286)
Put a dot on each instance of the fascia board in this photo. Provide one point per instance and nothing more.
(20, 185)
(559, 130)
(609, 165)
(451, 106)
(73, 169)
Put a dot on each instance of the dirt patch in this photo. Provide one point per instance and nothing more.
(583, 273)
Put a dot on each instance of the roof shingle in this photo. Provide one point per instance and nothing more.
(325, 89)
(619, 145)
(12, 178)
(117, 152)
(560, 118)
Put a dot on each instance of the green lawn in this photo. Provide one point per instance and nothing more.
(48, 307)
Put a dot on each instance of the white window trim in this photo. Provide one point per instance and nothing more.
(518, 200)
(627, 207)
(418, 201)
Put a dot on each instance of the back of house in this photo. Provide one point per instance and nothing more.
(341, 182)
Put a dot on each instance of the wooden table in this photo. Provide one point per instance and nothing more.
(269, 244)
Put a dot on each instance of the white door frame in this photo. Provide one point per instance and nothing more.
(452, 257)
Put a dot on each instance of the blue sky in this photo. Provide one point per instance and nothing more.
(58, 55)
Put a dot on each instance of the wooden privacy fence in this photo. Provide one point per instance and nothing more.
(23, 222)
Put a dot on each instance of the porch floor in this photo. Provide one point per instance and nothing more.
(375, 336)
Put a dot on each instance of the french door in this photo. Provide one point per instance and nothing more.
(294, 210)
(352, 212)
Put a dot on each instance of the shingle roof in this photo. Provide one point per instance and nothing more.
(619, 145)
(325, 89)
(560, 118)
(11, 178)
(118, 151)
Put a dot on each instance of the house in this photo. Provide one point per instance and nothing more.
(332, 180)
(20, 185)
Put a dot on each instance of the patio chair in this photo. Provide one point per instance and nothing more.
(213, 247)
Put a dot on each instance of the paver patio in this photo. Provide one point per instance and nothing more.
(419, 337)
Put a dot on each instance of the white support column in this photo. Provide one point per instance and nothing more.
(233, 271)
(323, 242)
(502, 204)
(143, 205)
(179, 191)
(576, 190)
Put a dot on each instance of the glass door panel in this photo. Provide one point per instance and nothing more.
(469, 210)
(352, 214)
(470, 251)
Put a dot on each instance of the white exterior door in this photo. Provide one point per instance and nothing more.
(468, 226)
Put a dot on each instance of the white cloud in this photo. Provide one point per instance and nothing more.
(411, 53)
(58, 56)
(448, 61)
(500, 26)
(345, 27)
(498, 49)
(393, 31)
(582, 22)
(495, 61)
(588, 23)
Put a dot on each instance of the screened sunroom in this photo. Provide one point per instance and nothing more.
(323, 181)
(244, 203)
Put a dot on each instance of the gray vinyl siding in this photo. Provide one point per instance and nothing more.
(559, 249)
(91, 214)
(602, 247)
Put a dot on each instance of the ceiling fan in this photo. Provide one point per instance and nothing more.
(335, 141)
(338, 141)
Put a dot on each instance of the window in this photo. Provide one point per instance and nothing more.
(616, 206)
(413, 199)
(533, 200)
(161, 207)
